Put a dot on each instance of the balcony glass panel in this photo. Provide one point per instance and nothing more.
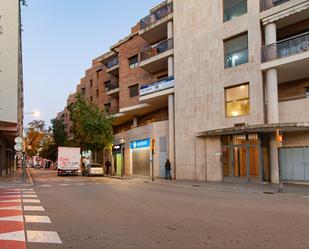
(267, 4)
(236, 51)
(156, 16)
(234, 8)
(157, 86)
(113, 62)
(287, 47)
(157, 49)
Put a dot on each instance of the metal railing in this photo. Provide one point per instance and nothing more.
(159, 48)
(268, 4)
(287, 47)
(113, 62)
(156, 16)
(112, 86)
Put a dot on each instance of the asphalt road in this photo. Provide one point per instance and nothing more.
(108, 213)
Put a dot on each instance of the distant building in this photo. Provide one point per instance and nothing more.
(11, 82)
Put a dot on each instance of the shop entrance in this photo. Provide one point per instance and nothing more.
(141, 157)
(242, 156)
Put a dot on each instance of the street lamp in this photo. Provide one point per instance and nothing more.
(122, 144)
(34, 113)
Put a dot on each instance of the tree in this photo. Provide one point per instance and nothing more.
(59, 134)
(92, 128)
(34, 135)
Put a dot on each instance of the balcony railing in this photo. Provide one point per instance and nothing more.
(156, 16)
(268, 4)
(291, 46)
(157, 86)
(112, 86)
(157, 49)
(113, 62)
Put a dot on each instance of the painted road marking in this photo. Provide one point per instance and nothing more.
(30, 196)
(11, 196)
(64, 184)
(31, 201)
(17, 236)
(80, 184)
(37, 219)
(13, 200)
(26, 189)
(33, 208)
(43, 237)
(11, 208)
(46, 185)
(13, 218)
(29, 193)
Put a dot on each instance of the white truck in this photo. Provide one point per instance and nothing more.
(68, 161)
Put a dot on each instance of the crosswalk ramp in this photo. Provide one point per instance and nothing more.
(17, 208)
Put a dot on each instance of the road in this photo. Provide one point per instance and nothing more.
(108, 213)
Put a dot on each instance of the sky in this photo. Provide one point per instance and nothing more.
(60, 39)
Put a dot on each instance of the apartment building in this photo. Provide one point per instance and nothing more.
(11, 87)
(211, 81)
(241, 71)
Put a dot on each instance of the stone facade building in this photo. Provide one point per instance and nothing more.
(212, 82)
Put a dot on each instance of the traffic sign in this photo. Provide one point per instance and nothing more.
(18, 147)
(18, 140)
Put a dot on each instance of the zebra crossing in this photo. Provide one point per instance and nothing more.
(16, 210)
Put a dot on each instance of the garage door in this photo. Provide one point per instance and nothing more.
(294, 163)
(141, 162)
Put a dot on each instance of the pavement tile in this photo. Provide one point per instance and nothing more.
(29, 196)
(43, 237)
(11, 226)
(10, 204)
(10, 200)
(12, 218)
(11, 208)
(5, 213)
(31, 201)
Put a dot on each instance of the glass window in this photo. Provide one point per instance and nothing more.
(91, 83)
(234, 8)
(236, 51)
(133, 91)
(307, 92)
(237, 100)
(133, 61)
(107, 107)
(97, 93)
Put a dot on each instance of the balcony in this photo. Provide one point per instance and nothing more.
(112, 110)
(112, 89)
(154, 58)
(113, 66)
(285, 48)
(294, 109)
(157, 91)
(154, 26)
(268, 4)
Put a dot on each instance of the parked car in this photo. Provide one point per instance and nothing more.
(93, 169)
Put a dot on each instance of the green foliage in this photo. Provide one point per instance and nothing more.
(92, 128)
(59, 133)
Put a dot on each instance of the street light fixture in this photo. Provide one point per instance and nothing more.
(34, 113)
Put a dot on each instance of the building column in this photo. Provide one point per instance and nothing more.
(135, 122)
(272, 104)
(171, 107)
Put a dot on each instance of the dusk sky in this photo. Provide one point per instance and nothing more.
(60, 39)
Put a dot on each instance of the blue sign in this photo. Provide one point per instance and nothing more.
(158, 86)
(145, 143)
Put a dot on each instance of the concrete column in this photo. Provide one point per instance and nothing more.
(274, 162)
(272, 104)
(170, 30)
(171, 133)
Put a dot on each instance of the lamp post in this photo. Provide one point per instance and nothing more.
(122, 143)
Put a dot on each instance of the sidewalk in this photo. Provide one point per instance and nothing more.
(260, 188)
(15, 180)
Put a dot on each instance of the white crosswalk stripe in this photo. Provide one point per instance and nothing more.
(43, 237)
(33, 208)
(37, 219)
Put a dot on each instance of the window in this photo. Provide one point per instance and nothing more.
(83, 91)
(91, 99)
(91, 83)
(133, 90)
(234, 8)
(133, 61)
(236, 51)
(97, 93)
(98, 73)
(107, 107)
(237, 102)
(307, 92)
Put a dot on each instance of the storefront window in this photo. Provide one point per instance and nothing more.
(236, 51)
(237, 101)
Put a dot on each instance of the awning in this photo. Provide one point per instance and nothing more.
(260, 128)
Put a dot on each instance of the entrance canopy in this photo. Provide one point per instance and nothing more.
(260, 128)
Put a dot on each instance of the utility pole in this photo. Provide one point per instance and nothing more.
(153, 144)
